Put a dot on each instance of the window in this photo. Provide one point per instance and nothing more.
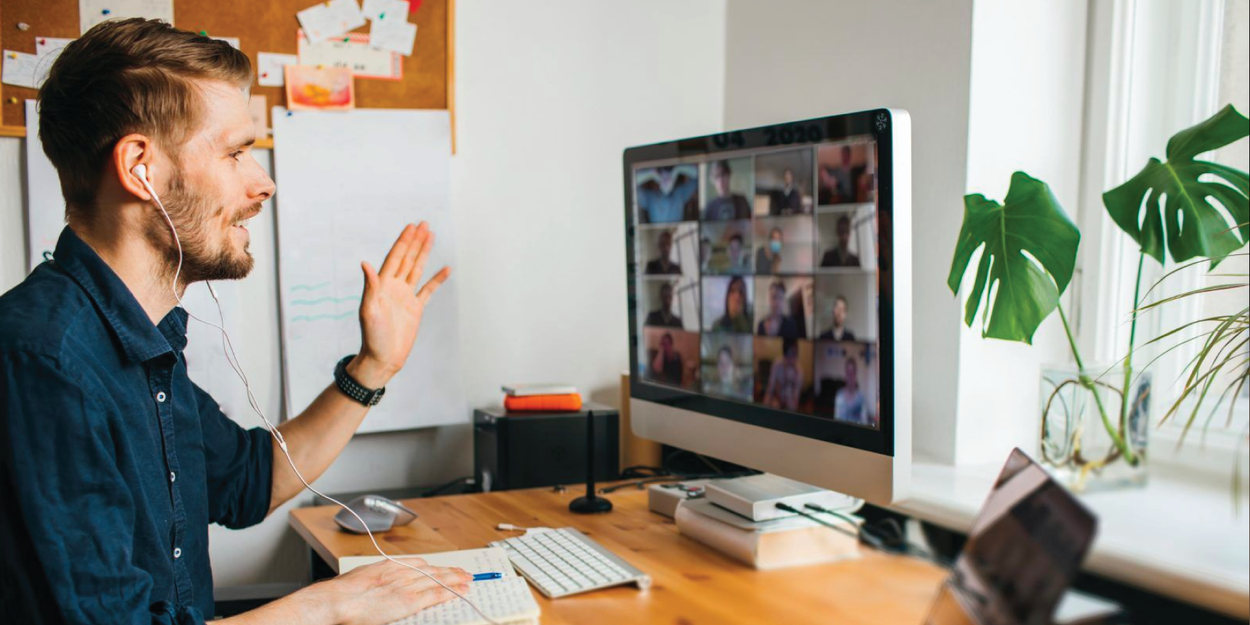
(1156, 67)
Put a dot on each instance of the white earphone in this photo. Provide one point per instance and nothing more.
(141, 171)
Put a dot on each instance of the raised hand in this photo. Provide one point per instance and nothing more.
(391, 306)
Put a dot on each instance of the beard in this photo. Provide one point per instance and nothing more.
(205, 256)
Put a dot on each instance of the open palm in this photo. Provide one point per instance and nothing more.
(391, 307)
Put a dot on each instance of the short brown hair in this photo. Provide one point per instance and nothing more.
(123, 77)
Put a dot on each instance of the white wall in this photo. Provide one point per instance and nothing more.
(1025, 111)
(545, 108)
(794, 59)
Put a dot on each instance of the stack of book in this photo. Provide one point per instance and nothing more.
(541, 398)
(772, 544)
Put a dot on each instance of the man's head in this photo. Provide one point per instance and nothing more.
(844, 232)
(775, 240)
(666, 297)
(776, 297)
(137, 91)
(787, 176)
(665, 243)
(851, 369)
(720, 177)
(846, 156)
(839, 311)
(735, 248)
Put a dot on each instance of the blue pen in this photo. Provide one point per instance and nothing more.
(478, 577)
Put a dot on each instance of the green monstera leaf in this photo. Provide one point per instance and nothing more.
(1025, 290)
(1197, 208)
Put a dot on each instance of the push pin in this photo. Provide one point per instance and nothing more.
(382, 15)
(289, 113)
(105, 12)
(13, 55)
(12, 100)
(346, 39)
(203, 33)
(264, 75)
(43, 42)
(320, 66)
(23, 26)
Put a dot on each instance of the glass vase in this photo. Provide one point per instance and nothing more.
(1089, 439)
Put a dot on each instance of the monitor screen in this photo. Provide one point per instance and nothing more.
(758, 271)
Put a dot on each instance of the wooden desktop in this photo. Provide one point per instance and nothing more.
(693, 584)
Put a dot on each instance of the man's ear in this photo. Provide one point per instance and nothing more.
(129, 151)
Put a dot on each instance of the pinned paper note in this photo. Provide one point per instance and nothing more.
(353, 52)
(50, 45)
(327, 19)
(92, 12)
(20, 69)
(269, 67)
(393, 35)
(386, 10)
(324, 88)
(256, 107)
(233, 41)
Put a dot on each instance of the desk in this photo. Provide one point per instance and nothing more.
(693, 585)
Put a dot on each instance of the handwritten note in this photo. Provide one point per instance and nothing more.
(325, 20)
(351, 51)
(386, 10)
(92, 12)
(393, 35)
(50, 45)
(233, 41)
(19, 69)
(269, 67)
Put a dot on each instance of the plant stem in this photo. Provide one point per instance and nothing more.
(1132, 337)
(1084, 380)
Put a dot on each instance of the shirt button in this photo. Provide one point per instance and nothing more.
(172, 477)
(177, 552)
(160, 397)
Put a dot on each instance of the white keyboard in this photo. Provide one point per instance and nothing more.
(564, 561)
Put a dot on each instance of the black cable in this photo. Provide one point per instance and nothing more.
(674, 478)
(871, 536)
(439, 490)
(789, 508)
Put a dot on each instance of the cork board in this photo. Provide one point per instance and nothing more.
(265, 26)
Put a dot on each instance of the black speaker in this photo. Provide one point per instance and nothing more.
(532, 449)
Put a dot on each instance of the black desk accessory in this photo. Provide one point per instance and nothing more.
(590, 503)
(542, 449)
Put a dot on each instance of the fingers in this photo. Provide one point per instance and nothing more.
(395, 257)
(432, 286)
(371, 276)
(425, 592)
(417, 251)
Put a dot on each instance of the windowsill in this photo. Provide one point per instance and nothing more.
(1176, 536)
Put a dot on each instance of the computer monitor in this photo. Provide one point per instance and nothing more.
(769, 294)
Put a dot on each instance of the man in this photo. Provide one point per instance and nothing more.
(789, 200)
(727, 204)
(670, 199)
(777, 323)
(838, 332)
(768, 257)
(667, 365)
(841, 256)
(785, 380)
(848, 403)
(664, 263)
(113, 462)
(663, 316)
(738, 263)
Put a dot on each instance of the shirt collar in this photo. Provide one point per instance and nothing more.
(140, 339)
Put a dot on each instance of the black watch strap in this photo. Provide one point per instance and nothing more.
(352, 388)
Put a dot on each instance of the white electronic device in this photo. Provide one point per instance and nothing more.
(564, 561)
(756, 496)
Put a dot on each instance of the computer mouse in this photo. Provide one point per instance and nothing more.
(379, 513)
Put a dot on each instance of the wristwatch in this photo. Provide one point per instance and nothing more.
(352, 388)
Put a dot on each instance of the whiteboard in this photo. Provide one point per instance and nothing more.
(347, 184)
(45, 209)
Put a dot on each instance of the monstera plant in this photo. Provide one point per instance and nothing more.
(1182, 208)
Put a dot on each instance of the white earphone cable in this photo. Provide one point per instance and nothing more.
(233, 360)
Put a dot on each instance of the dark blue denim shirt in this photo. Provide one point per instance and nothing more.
(112, 462)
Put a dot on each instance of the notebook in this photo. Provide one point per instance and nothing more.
(507, 600)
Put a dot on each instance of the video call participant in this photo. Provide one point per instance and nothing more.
(848, 404)
(768, 258)
(664, 264)
(841, 256)
(838, 332)
(838, 183)
(663, 316)
(777, 323)
(727, 204)
(736, 318)
(738, 262)
(790, 200)
(728, 381)
(784, 379)
(667, 365)
(668, 203)
(705, 253)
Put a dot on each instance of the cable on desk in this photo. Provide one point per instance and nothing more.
(434, 492)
